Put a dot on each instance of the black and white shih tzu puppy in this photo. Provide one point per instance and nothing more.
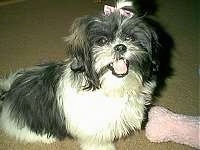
(97, 95)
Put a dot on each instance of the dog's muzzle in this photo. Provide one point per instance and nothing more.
(119, 66)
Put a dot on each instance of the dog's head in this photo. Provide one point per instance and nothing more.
(112, 47)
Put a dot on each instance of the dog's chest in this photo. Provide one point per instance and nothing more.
(96, 115)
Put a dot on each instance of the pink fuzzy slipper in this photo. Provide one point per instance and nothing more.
(164, 125)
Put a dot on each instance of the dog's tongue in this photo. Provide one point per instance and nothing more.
(120, 66)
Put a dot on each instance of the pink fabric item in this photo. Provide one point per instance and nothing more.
(164, 126)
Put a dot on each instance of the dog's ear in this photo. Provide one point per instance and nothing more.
(77, 45)
(79, 51)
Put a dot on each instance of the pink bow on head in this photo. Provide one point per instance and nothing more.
(109, 9)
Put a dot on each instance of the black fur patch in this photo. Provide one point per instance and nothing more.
(33, 101)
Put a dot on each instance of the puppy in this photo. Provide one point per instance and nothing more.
(98, 94)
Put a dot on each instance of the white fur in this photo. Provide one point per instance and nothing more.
(99, 117)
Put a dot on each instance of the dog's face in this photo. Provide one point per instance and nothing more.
(112, 46)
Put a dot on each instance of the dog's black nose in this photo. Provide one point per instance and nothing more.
(121, 48)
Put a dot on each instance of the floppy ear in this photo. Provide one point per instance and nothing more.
(79, 51)
(77, 46)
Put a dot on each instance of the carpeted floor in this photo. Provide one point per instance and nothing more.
(31, 32)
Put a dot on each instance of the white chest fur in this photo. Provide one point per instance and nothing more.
(91, 114)
(107, 113)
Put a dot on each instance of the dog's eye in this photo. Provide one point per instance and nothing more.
(102, 41)
(127, 38)
(130, 38)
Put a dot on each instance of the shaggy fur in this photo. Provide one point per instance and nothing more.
(97, 95)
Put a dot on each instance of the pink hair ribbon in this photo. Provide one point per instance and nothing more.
(109, 9)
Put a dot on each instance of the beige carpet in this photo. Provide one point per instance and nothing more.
(31, 32)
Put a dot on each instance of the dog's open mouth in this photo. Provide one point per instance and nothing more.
(119, 67)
